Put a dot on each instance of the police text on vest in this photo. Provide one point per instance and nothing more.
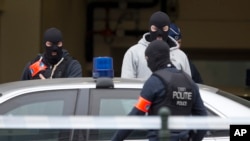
(182, 96)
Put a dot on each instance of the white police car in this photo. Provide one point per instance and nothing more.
(85, 96)
(88, 96)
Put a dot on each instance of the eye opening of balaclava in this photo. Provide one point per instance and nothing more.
(157, 54)
(160, 20)
(52, 42)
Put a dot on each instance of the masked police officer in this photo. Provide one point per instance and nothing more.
(55, 62)
(134, 64)
(169, 87)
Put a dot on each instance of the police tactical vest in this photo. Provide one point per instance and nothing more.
(61, 69)
(179, 93)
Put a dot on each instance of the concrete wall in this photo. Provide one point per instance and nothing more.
(215, 23)
(20, 30)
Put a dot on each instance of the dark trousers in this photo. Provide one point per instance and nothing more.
(182, 136)
(174, 135)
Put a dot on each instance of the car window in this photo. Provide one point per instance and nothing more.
(50, 103)
(54, 107)
(118, 106)
(113, 102)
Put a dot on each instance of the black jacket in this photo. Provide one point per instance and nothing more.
(154, 90)
(69, 67)
(195, 73)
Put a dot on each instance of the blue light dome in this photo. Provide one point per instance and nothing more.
(103, 67)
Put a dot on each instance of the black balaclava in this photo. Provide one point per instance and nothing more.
(54, 36)
(157, 54)
(159, 19)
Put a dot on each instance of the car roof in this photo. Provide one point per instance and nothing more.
(66, 83)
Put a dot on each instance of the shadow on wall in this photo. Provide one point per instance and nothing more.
(117, 54)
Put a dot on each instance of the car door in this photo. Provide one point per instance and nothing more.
(39, 103)
(113, 102)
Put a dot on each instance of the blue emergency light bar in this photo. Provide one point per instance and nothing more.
(103, 67)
